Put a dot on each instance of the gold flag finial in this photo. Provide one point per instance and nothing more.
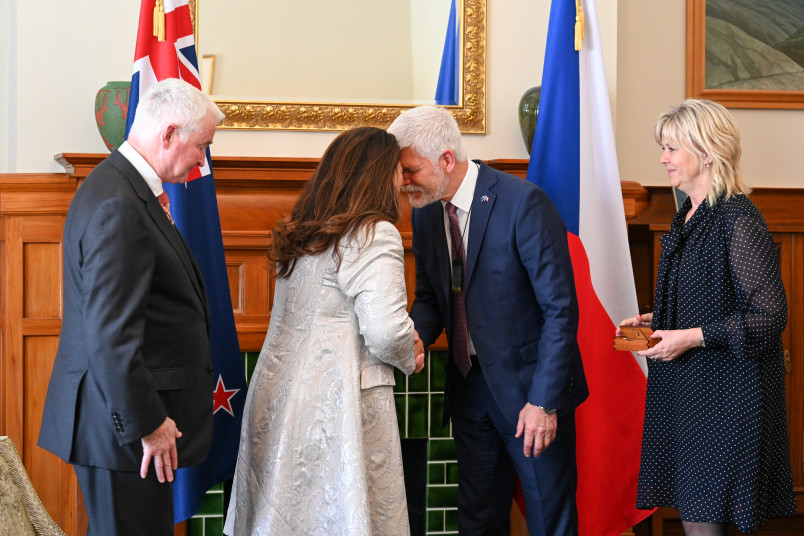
(578, 25)
(159, 20)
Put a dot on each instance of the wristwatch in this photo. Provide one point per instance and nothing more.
(548, 411)
(702, 344)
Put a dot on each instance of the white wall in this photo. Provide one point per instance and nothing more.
(8, 67)
(651, 52)
(67, 51)
(65, 56)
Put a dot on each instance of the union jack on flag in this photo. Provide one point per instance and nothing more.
(166, 49)
(173, 57)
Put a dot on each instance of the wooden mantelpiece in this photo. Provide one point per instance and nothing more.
(252, 194)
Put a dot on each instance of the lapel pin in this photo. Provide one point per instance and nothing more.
(484, 199)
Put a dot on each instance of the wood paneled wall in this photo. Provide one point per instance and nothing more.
(32, 210)
(252, 194)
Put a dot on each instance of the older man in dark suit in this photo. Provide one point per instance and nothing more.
(493, 268)
(132, 381)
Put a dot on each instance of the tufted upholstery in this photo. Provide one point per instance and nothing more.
(21, 511)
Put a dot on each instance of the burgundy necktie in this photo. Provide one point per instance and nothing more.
(164, 200)
(460, 334)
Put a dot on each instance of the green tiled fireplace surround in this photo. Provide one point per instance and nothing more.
(419, 401)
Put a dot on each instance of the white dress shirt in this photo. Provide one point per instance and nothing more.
(145, 169)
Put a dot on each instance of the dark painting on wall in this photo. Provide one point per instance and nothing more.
(755, 44)
(746, 53)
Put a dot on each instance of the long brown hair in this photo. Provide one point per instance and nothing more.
(352, 188)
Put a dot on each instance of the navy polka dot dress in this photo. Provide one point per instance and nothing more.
(715, 443)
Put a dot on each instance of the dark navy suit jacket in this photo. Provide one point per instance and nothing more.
(134, 343)
(521, 306)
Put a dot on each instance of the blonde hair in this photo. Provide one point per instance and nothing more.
(708, 131)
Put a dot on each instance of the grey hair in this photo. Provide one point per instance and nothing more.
(707, 130)
(174, 101)
(429, 131)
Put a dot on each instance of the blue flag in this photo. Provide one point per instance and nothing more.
(448, 77)
(194, 208)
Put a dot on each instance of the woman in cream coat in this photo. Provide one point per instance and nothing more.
(319, 449)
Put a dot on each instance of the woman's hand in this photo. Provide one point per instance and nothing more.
(635, 321)
(674, 342)
(418, 351)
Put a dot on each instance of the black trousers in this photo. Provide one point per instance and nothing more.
(490, 457)
(120, 503)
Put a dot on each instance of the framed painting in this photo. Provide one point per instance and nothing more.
(746, 53)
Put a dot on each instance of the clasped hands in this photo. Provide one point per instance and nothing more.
(674, 342)
(160, 445)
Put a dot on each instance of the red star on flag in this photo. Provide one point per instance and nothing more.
(221, 397)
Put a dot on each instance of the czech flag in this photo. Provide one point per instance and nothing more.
(574, 160)
(194, 208)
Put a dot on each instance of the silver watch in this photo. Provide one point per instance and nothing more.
(548, 411)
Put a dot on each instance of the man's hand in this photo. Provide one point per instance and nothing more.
(418, 350)
(636, 321)
(539, 429)
(161, 446)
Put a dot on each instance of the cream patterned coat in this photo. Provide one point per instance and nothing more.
(319, 450)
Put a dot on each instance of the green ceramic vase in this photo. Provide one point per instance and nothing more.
(528, 114)
(111, 111)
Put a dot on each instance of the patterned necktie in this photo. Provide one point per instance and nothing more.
(164, 200)
(460, 333)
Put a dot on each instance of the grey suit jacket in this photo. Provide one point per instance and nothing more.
(134, 344)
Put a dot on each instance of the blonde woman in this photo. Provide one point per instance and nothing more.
(715, 443)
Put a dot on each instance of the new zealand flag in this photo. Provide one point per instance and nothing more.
(194, 208)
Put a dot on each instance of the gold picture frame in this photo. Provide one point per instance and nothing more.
(470, 112)
(731, 98)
